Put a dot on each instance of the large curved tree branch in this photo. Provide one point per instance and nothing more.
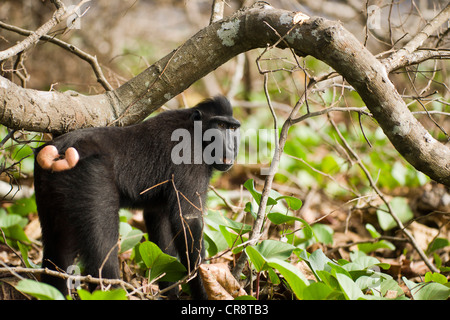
(211, 47)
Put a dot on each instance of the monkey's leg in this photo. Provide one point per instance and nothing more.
(189, 244)
(98, 221)
(160, 232)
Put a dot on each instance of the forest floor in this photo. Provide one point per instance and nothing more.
(430, 205)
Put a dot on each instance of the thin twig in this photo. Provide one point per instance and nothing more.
(331, 109)
(92, 60)
(57, 17)
(400, 57)
(12, 249)
(217, 9)
(88, 279)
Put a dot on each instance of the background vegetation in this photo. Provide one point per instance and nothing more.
(328, 233)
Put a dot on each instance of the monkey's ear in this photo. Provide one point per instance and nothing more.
(196, 116)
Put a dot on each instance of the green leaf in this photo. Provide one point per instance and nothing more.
(363, 262)
(350, 288)
(400, 208)
(390, 285)
(23, 206)
(232, 239)
(249, 185)
(259, 262)
(372, 282)
(159, 263)
(399, 172)
(214, 240)
(435, 277)
(291, 274)
(323, 233)
(117, 294)
(24, 252)
(216, 219)
(437, 243)
(292, 202)
(266, 250)
(39, 290)
(317, 291)
(15, 232)
(328, 279)
(338, 269)
(249, 208)
(370, 247)
(427, 290)
(373, 232)
(9, 220)
(279, 218)
(316, 261)
(270, 254)
(245, 298)
(273, 277)
(130, 237)
(12, 225)
(275, 249)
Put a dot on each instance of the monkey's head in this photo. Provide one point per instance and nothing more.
(220, 132)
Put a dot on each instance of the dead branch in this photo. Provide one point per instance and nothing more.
(57, 17)
(92, 60)
(400, 57)
(89, 279)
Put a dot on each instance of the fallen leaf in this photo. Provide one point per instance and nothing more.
(219, 282)
(423, 234)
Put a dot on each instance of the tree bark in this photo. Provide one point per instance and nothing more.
(211, 47)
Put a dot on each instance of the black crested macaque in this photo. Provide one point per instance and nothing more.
(162, 165)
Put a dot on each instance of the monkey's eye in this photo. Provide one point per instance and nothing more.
(222, 125)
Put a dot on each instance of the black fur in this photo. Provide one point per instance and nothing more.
(78, 208)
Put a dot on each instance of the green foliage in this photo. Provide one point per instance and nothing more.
(373, 246)
(13, 220)
(429, 290)
(116, 294)
(437, 244)
(271, 255)
(129, 236)
(250, 186)
(17, 155)
(222, 233)
(24, 252)
(23, 207)
(401, 209)
(160, 263)
(39, 290)
(43, 291)
(12, 225)
(360, 278)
